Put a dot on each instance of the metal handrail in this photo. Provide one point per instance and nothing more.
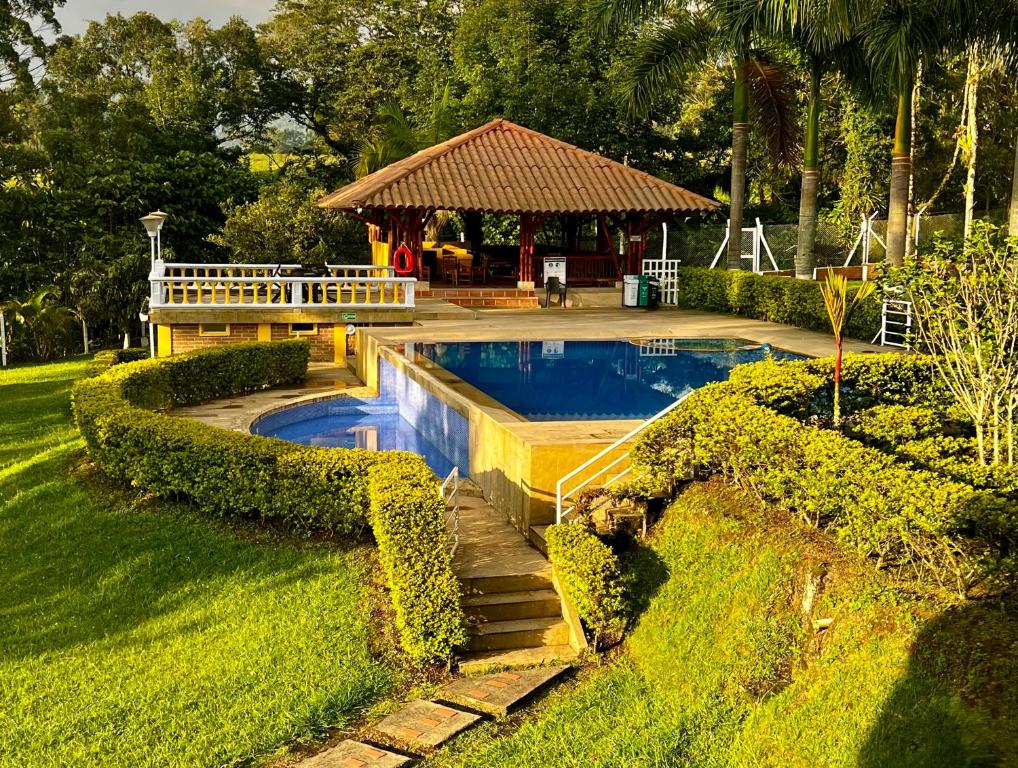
(452, 501)
(560, 496)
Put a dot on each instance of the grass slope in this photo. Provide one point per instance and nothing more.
(136, 634)
(723, 670)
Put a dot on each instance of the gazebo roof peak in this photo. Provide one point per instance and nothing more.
(504, 168)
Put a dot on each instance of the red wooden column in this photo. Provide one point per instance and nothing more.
(636, 241)
(529, 224)
(408, 229)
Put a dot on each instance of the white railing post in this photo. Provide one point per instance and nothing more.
(449, 491)
(562, 495)
(408, 295)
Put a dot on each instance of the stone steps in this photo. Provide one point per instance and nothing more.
(507, 606)
(516, 658)
(422, 726)
(537, 538)
(519, 633)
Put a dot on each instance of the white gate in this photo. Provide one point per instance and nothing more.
(757, 243)
(667, 271)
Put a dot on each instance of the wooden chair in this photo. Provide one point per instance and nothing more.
(479, 270)
(466, 271)
(451, 270)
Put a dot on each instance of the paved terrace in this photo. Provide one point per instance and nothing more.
(565, 324)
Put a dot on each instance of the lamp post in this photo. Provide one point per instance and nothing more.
(153, 224)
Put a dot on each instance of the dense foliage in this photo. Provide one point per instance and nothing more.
(772, 298)
(898, 485)
(907, 519)
(592, 579)
(306, 489)
(137, 113)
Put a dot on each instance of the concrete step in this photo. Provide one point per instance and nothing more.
(421, 726)
(500, 693)
(502, 583)
(355, 753)
(520, 633)
(483, 662)
(537, 538)
(507, 606)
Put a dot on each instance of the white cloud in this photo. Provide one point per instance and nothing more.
(76, 14)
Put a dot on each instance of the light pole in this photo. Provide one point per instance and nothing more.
(153, 225)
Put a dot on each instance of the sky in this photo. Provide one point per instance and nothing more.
(76, 14)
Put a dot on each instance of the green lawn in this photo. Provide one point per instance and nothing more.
(133, 633)
(721, 670)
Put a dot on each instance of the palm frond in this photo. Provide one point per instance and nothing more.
(773, 105)
(663, 54)
(609, 16)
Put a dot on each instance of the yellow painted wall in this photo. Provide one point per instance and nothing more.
(339, 343)
(164, 341)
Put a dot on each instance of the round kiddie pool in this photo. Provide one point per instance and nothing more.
(539, 380)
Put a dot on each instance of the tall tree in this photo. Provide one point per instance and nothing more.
(900, 34)
(677, 38)
(826, 33)
(23, 46)
(331, 64)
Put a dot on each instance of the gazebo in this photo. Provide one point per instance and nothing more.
(505, 169)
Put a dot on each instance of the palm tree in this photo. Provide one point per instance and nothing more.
(400, 137)
(839, 308)
(678, 37)
(899, 35)
(826, 34)
(44, 318)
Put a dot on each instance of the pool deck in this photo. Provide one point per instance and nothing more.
(594, 324)
(326, 380)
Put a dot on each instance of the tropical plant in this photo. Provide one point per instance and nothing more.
(827, 38)
(46, 321)
(839, 309)
(901, 35)
(966, 311)
(675, 39)
(400, 136)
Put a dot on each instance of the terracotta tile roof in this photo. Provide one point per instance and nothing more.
(502, 167)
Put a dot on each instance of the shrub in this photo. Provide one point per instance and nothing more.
(408, 518)
(804, 387)
(905, 518)
(307, 489)
(774, 298)
(888, 426)
(107, 358)
(592, 579)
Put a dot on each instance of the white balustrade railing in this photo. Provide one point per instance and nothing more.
(278, 286)
(564, 494)
(450, 493)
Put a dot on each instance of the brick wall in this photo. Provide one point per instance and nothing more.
(321, 341)
(186, 338)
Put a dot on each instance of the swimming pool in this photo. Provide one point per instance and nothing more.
(404, 417)
(593, 380)
(539, 380)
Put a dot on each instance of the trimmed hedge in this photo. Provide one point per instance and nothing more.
(408, 518)
(905, 518)
(307, 489)
(107, 358)
(775, 298)
(592, 578)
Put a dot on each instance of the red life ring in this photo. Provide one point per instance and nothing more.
(403, 261)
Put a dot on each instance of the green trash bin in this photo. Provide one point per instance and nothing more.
(644, 295)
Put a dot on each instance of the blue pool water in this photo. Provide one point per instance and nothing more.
(404, 417)
(592, 380)
(542, 381)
